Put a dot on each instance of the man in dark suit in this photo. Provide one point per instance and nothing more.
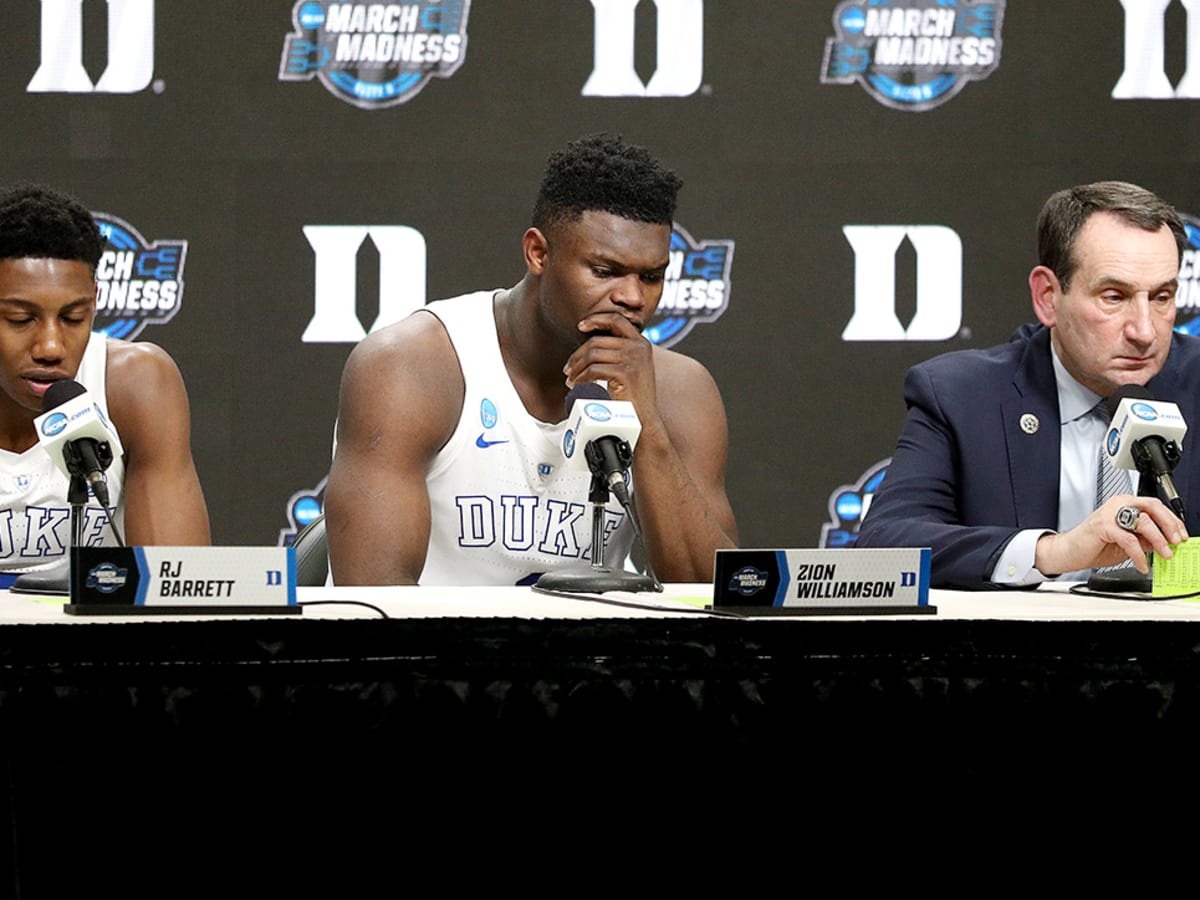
(998, 465)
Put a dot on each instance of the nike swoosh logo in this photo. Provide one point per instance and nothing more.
(484, 444)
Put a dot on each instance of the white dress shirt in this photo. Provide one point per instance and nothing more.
(1079, 468)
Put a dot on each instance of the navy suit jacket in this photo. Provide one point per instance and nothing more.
(965, 477)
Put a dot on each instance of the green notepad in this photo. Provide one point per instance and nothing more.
(1181, 573)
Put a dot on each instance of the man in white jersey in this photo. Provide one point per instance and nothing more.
(49, 248)
(449, 466)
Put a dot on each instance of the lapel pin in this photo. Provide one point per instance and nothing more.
(1030, 423)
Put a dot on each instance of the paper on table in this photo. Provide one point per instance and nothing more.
(1181, 573)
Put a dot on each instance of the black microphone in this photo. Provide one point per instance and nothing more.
(81, 433)
(60, 392)
(585, 390)
(1145, 435)
(608, 455)
(1132, 391)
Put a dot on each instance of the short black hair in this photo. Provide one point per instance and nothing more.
(1064, 215)
(41, 223)
(602, 172)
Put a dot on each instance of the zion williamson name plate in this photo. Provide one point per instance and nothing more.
(823, 582)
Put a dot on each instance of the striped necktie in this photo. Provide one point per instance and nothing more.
(1110, 481)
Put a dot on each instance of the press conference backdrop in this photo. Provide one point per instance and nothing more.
(278, 178)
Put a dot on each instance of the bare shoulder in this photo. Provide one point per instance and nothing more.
(416, 349)
(142, 376)
(677, 375)
(408, 371)
(690, 404)
(138, 362)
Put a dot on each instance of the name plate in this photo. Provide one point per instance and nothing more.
(172, 580)
(823, 582)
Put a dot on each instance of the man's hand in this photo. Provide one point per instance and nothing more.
(1099, 541)
(617, 354)
(679, 462)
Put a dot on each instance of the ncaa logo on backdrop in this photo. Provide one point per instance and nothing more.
(138, 282)
(375, 55)
(848, 506)
(695, 289)
(913, 54)
(302, 508)
(1187, 297)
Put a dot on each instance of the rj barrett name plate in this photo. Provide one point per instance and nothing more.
(171, 580)
(823, 582)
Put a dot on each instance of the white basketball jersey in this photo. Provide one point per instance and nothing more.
(503, 506)
(35, 518)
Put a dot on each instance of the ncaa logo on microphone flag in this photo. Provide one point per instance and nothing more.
(138, 282)
(913, 54)
(54, 424)
(375, 55)
(1114, 441)
(695, 288)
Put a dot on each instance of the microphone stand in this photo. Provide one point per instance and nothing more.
(599, 578)
(1160, 456)
(77, 496)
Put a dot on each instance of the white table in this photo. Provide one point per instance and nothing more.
(1049, 603)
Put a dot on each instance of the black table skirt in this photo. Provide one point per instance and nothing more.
(242, 742)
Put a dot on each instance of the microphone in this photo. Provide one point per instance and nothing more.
(601, 434)
(1147, 435)
(599, 438)
(74, 431)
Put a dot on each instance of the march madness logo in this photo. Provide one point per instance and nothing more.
(138, 282)
(695, 290)
(1187, 297)
(375, 55)
(303, 507)
(848, 506)
(913, 54)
